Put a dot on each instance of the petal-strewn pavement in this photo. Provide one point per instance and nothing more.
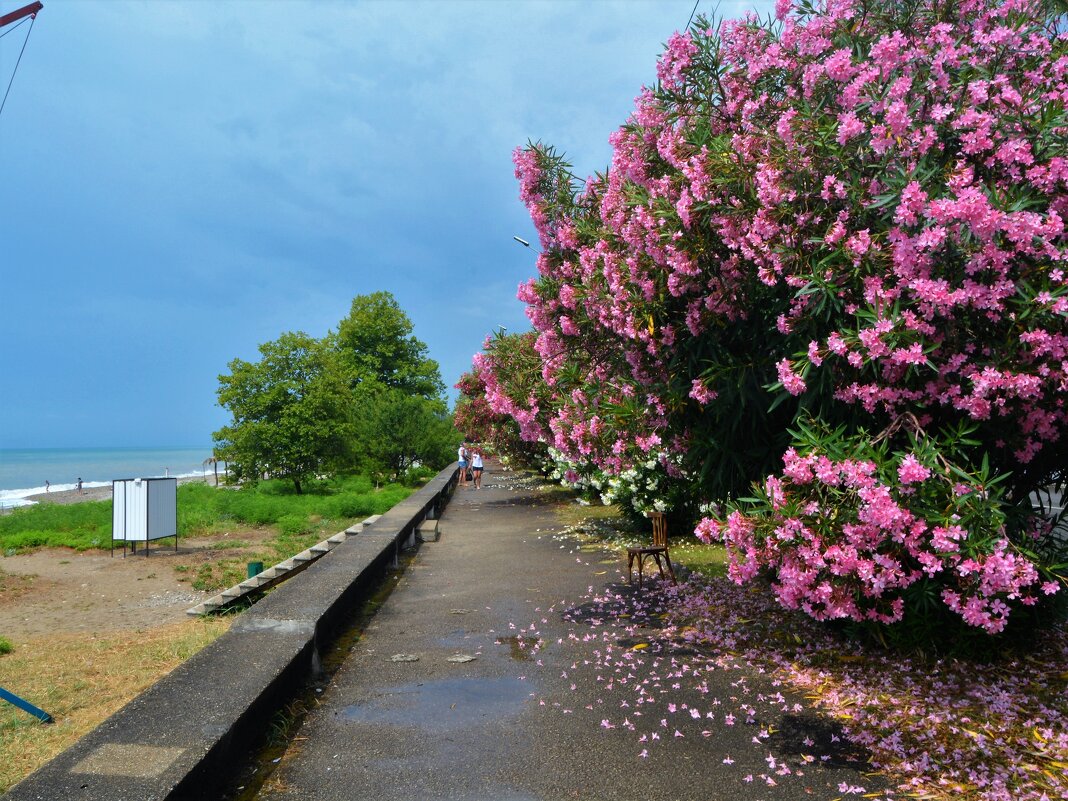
(556, 703)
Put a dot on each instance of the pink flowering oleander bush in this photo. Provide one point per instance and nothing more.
(478, 423)
(851, 214)
(850, 531)
(502, 398)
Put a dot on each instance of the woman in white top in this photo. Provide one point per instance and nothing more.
(476, 468)
(461, 454)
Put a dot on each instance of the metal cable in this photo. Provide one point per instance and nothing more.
(691, 14)
(18, 61)
(16, 26)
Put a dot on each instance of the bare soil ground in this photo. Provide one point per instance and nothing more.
(90, 630)
(58, 590)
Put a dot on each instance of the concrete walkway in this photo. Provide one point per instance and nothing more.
(517, 725)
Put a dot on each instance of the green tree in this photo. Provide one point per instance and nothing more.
(376, 343)
(395, 431)
(291, 411)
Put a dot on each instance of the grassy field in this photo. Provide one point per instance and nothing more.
(710, 560)
(266, 523)
(203, 509)
(295, 522)
(82, 679)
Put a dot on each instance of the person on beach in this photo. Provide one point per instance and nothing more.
(476, 468)
(79, 483)
(462, 456)
(48, 485)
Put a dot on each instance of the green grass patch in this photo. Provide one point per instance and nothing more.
(709, 560)
(577, 512)
(79, 525)
(205, 510)
(298, 521)
(226, 571)
(5, 646)
(606, 526)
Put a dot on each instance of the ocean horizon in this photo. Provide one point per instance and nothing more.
(24, 471)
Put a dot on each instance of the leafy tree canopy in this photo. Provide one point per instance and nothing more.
(366, 397)
(376, 343)
(396, 431)
(291, 411)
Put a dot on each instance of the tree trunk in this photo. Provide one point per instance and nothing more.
(216, 465)
(296, 483)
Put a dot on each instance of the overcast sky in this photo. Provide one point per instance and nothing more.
(185, 180)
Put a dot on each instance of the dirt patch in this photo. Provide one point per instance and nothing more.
(60, 590)
(80, 679)
(13, 586)
(225, 544)
(56, 590)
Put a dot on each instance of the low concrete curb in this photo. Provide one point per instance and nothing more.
(183, 737)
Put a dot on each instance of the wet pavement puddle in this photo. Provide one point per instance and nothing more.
(521, 647)
(442, 705)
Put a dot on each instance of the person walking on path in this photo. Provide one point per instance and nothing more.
(462, 456)
(476, 468)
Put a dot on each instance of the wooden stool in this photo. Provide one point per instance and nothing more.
(659, 548)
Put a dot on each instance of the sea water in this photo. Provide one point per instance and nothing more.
(23, 472)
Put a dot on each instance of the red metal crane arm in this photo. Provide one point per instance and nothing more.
(25, 11)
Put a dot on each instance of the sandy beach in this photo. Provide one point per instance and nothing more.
(100, 493)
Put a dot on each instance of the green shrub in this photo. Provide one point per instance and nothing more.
(195, 517)
(5, 646)
(418, 476)
(294, 524)
(389, 496)
(356, 484)
(349, 505)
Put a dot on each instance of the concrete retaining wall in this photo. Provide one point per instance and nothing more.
(183, 737)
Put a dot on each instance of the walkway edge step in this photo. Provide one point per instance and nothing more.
(272, 575)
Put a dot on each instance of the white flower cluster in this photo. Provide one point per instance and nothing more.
(641, 485)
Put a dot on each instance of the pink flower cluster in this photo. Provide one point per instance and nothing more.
(858, 209)
(842, 541)
(506, 392)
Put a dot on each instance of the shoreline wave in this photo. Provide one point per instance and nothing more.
(16, 498)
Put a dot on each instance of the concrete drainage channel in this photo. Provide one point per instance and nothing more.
(247, 780)
(184, 736)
